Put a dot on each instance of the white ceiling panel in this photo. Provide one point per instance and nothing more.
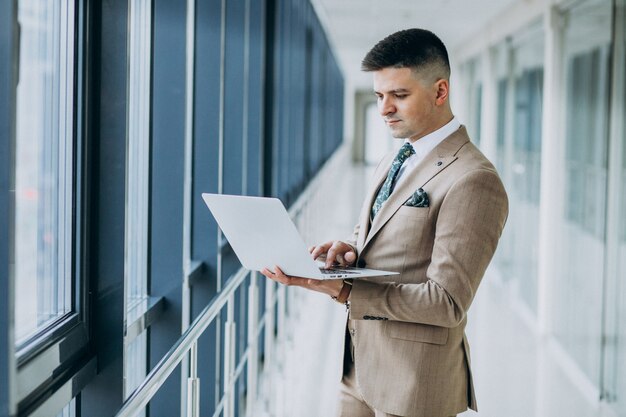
(356, 25)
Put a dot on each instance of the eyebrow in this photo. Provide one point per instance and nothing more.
(396, 91)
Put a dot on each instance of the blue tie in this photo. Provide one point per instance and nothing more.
(383, 194)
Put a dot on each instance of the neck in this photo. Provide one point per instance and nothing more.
(438, 124)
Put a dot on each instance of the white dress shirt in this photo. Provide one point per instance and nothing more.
(423, 146)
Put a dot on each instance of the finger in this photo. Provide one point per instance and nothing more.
(290, 280)
(320, 249)
(280, 276)
(331, 255)
(350, 257)
(317, 251)
(269, 274)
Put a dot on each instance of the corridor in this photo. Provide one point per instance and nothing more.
(121, 297)
(517, 372)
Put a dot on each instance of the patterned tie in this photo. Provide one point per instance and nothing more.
(383, 194)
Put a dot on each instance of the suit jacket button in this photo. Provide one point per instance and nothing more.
(361, 263)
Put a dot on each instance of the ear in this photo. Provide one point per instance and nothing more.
(442, 88)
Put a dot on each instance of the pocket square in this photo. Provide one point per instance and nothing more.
(418, 199)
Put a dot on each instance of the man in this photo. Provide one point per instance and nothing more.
(434, 213)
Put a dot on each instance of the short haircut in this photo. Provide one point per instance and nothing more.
(418, 49)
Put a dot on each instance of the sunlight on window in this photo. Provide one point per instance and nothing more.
(43, 165)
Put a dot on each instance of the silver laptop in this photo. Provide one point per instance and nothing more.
(262, 235)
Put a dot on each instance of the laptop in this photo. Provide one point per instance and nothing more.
(262, 235)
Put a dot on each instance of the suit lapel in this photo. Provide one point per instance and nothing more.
(432, 164)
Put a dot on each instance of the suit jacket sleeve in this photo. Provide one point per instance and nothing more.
(468, 226)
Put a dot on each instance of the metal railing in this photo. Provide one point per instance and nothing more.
(187, 344)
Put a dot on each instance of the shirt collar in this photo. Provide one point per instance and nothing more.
(427, 143)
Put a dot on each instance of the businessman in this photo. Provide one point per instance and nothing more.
(434, 213)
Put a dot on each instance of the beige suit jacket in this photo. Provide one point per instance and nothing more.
(409, 348)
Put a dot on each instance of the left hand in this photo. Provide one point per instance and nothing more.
(330, 287)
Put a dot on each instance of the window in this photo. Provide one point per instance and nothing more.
(137, 190)
(44, 164)
(519, 123)
(577, 309)
(51, 334)
(614, 334)
(473, 98)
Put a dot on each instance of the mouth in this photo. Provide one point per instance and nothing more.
(392, 122)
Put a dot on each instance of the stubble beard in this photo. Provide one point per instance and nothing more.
(397, 133)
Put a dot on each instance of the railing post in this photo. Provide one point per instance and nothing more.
(229, 358)
(269, 342)
(193, 384)
(253, 342)
(281, 340)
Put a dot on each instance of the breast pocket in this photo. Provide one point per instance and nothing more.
(415, 226)
(417, 332)
(413, 212)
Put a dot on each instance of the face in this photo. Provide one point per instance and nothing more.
(411, 108)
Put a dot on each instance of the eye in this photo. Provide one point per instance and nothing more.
(401, 96)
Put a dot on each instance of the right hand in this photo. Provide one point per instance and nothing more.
(336, 252)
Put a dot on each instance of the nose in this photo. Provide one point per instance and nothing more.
(386, 106)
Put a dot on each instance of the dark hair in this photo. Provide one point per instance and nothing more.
(418, 49)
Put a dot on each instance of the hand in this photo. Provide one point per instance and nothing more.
(335, 251)
(330, 287)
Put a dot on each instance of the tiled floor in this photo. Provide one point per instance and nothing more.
(517, 373)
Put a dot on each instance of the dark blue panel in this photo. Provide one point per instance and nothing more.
(284, 105)
(299, 82)
(233, 78)
(318, 110)
(166, 226)
(206, 145)
(291, 137)
(233, 96)
(255, 97)
(206, 167)
(7, 130)
(107, 162)
(307, 133)
(307, 98)
(326, 103)
(269, 100)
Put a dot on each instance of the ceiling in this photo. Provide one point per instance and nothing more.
(354, 26)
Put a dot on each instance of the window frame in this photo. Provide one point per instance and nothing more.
(8, 87)
(55, 363)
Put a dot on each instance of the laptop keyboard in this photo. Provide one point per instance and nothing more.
(337, 271)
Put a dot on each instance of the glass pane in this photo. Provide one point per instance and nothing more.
(136, 360)
(620, 365)
(44, 165)
(577, 306)
(520, 96)
(378, 141)
(138, 153)
(472, 75)
(137, 196)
